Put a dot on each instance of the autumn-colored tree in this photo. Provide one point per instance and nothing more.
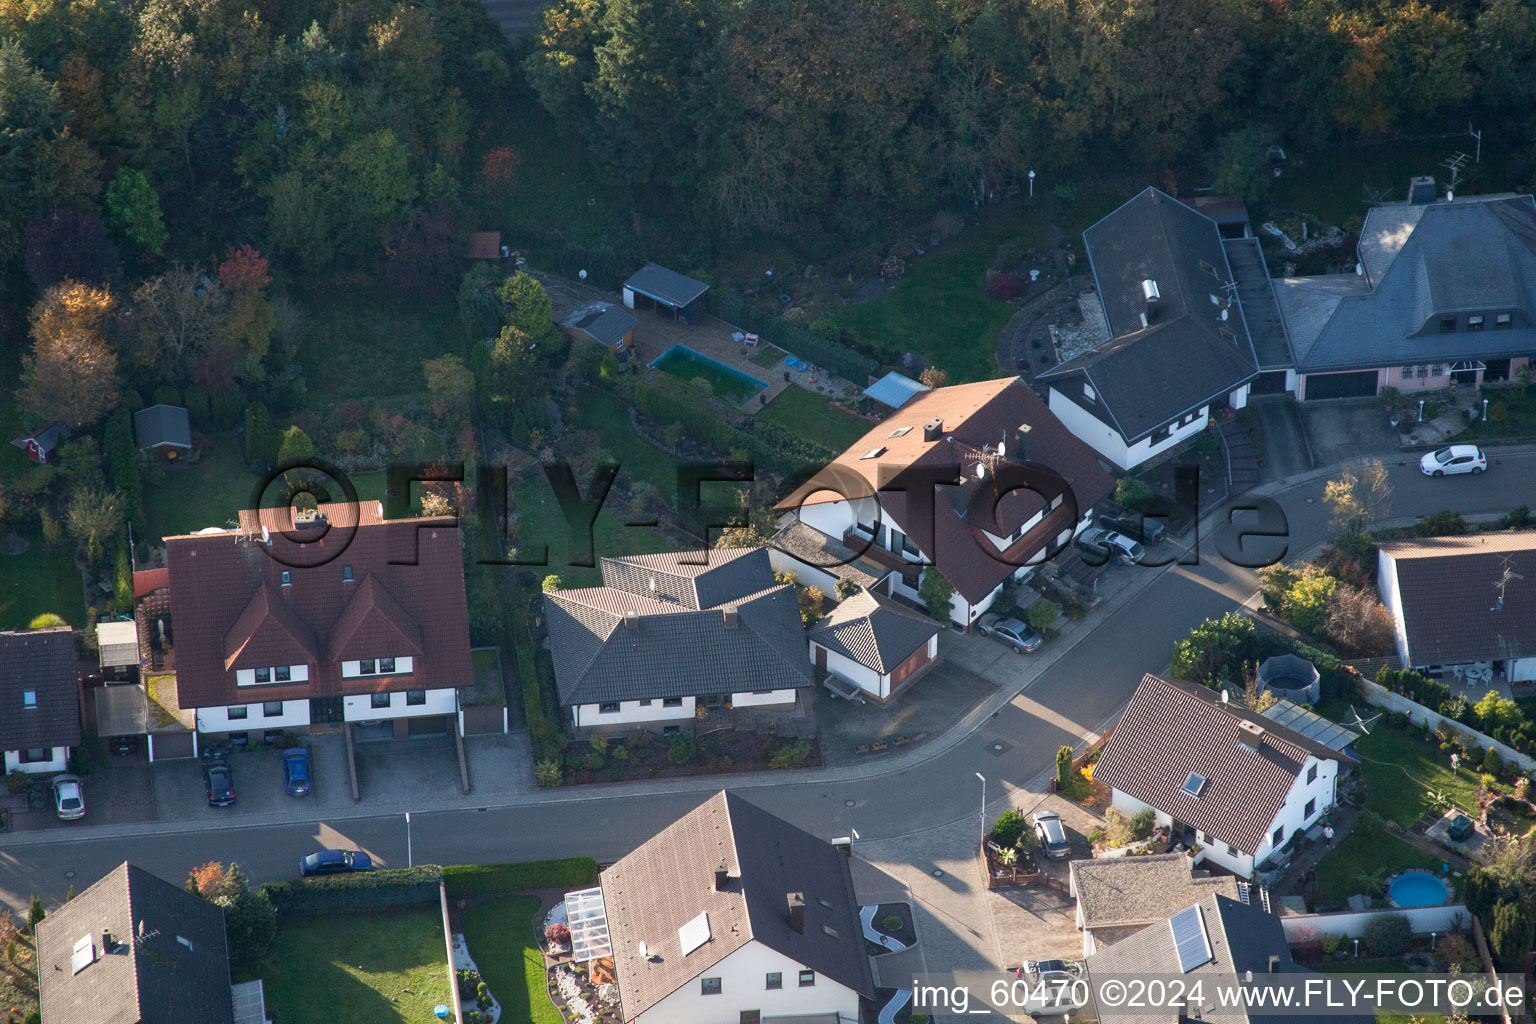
(74, 307)
(498, 169)
(934, 377)
(452, 387)
(177, 314)
(525, 305)
(71, 376)
(94, 517)
(244, 270)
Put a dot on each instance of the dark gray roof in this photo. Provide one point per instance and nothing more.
(1118, 892)
(1146, 376)
(874, 631)
(1242, 938)
(603, 322)
(172, 966)
(667, 285)
(162, 424)
(1448, 597)
(1421, 261)
(47, 437)
(1257, 297)
(43, 661)
(682, 643)
(816, 549)
(670, 881)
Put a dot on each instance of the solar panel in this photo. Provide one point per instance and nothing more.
(1189, 938)
(84, 954)
(587, 917)
(1194, 784)
(694, 934)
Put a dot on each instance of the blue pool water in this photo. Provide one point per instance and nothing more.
(1417, 889)
(724, 381)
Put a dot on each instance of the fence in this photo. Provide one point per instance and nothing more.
(854, 367)
(453, 974)
(1351, 923)
(1421, 715)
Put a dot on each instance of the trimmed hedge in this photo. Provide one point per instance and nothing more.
(485, 879)
(368, 890)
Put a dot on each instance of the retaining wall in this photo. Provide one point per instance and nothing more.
(1351, 923)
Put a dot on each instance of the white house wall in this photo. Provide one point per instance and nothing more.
(631, 712)
(1108, 442)
(1239, 398)
(1522, 669)
(748, 699)
(1291, 816)
(743, 986)
(58, 760)
(865, 678)
(216, 719)
(439, 702)
(1392, 600)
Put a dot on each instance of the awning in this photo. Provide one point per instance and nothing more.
(894, 390)
(121, 711)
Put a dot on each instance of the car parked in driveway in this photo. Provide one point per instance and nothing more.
(122, 746)
(1016, 634)
(1134, 525)
(1052, 834)
(335, 862)
(68, 797)
(1100, 546)
(298, 779)
(1458, 458)
(218, 781)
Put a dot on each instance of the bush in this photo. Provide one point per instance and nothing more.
(166, 395)
(548, 772)
(1119, 830)
(1005, 287)
(1097, 836)
(371, 890)
(1133, 494)
(1042, 614)
(464, 880)
(16, 781)
(1008, 828)
(1063, 765)
(1206, 443)
(558, 933)
(1142, 823)
(792, 756)
(681, 750)
(47, 620)
(1367, 822)
(1388, 935)
(891, 923)
(1492, 762)
(468, 983)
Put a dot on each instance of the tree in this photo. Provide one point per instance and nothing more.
(937, 593)
(176, 316)
(1009, 828)
(122, 457)
(479, 308)
(525, 306)
(72, 377)
(1357, 622)
(452, 387)
(552, 583)
(1240, 169)
(29, 117)
(1215, 650)
(845, 588)
(1359, 496)
(1042, 615)
(35, 913)
(133, 211)
(1306, 602)
(1133, 494)
(810, 599)
(64, 243)
(295, 447)
(1257, 697)
(244, 270)
(94, 516)
(1064, 758)
(512, 380)
(250, 920)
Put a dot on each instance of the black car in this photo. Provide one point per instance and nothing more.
(335, 862)
(124, 745)
(1148, 530)
(218, 781)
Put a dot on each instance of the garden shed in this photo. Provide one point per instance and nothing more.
(164, 430)
(654, 286)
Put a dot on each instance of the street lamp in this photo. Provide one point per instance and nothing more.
(1031, 184)
(983, 779)
(409, 860)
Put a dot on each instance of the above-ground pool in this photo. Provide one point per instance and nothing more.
(1417, 889)
(724, 381)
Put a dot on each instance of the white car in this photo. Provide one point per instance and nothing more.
(1105, 544)
(1458, 458)
(68, 797)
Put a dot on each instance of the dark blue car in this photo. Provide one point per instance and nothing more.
(335, 862)
(297, 778)
(218, 781)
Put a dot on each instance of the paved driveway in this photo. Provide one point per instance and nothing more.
(258, 778)
(931, 703)
(1347, 428)
(1287, 450)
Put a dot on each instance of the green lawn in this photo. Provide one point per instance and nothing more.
(38, 581)
(1400, 770)
(811, 416)
(601, 411)
(197, 495)
(940, 310)
(541, 522)
(1518, 418)
(1338, 874)
(369, 344)
(499, 931)
(355, 968)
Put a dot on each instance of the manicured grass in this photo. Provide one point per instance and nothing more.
(356, 968)
(601, 411)
(767, 355)
(18, 981)
(197, 495)
(499, 932)
(38, 581)
(369, 344)
(811, 416)
(1400, 770)
(1338, 874)
(542, 522)
(940, 309)
(690, 366)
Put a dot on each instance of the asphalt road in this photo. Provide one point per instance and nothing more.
(1076, 695)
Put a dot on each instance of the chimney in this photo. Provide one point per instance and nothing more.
(1150, 293)
(1274, 963)
(631, 620)
(1250, 735)
(732, 618)
(933, 429)
(107, 945)
(1421, 189)
(722, 876)
(797, 912)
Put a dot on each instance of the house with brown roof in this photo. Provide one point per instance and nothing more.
(292, 620)
(1236, 787)
(978, 480)
(39, 699)
(1119, 896)
(1457, 601)
(732, 915)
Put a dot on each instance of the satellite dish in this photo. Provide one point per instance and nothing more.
(643, 952)
(582, 274)
(1223, 314)
(981, 471)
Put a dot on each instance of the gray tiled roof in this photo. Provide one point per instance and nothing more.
(667, 285)
(1146, 376)
(1115, 892)
(815, 548)
(1448, 597)
(162, 424)
(670, 880)
(172, 968)
(602, 321)
(680, 646)
(1171, 729)
(41, 660)
(874, 631)
(1257, 297)
(1473, 255)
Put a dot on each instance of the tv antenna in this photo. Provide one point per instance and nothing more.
(1507, 577)
(985, 459)
(1479, 137)
(1454, 165)
(1375, 196)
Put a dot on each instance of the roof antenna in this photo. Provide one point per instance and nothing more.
(1502, 583)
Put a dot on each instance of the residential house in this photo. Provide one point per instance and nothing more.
(164, 430)
(1227, 780)
(608, 325)
(655, 287)
(1177, 347)
(1455, 601)
(134, 949)
(1025, 487)
(874, 644)
(1119, 896)
(290, 621)
(1217, 941)
(40, 698)
(731, 915)
(668, 634)
(1441, 293)
(40, 444)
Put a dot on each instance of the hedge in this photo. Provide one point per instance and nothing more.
(368, 890)
(485, 879)
(1421, 689)
(854, 367)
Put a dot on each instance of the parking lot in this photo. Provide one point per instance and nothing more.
(258, 782)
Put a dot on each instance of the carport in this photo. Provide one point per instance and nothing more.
(122, 710)
(1355, 384)
(666, 290)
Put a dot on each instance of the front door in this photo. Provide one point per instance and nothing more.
(821, 659)
(325, 710)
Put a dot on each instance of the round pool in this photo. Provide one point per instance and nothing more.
(1417, 889)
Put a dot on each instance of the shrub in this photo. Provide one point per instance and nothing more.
(1388, 935)
(1063, 765)
(468, 982)
(1142, 823)
(558, 933)
(792, 756)
(47, 620)
(167, 395)
(1008, 827)
(1118, 830)
(370, 890)
(1096, 836)
(891, 923)
(1206, 443)
(1492, 762)
(548, 772)
(464, 880)
(1331, 944)
(1133, 494)
(681, 750)
(1367, 822)
(1042, 614)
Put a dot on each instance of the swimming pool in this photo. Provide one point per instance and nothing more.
(1417, 889)
(724, 381)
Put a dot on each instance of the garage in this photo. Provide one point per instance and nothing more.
(1359, 384)
(1271, 382)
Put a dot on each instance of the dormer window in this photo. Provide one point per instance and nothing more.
(1501, 320)
(287, 578)
(367, 667)
(1447, 325)
(29, 699)
(1474, 323)
(264, 675)
(346, 574)
(386, 666)
(283, 673)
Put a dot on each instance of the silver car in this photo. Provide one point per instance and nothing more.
(1053, 836)
(68, 797)
(1102, 545)
(1016, 634)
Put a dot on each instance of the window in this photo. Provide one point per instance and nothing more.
(671, 730)
(272, 709)
(29, 699)
(283, 674)
(1205, 265)
(1279, 837)
(775, 980)
(1447, 325)
(829, 930)
(1194, 784)
(672, 702)
(1056, 501)
(1306, 812)
(1474, 323)
(762, 693)
(35, 755)
(287, 578)
(367, 668)
(1161, 434)
(1407, 372)
(1311, 775)
(386, 666)
(825, 903)
(709, 986)
(645, 703)
(1438, 370)
(610, 707)
(751, 1017)
(415, 698)
(1503, 320)
(263, 675)
(1423, 371)
(901, 432)
(346, 574)
(1231, 850)
(1088, 392)
(236, 711)
(807, 979)
(378, 700)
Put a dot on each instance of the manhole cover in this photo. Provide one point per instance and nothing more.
(938, 872)
(849, 803)
(997, 748)
(69, 874)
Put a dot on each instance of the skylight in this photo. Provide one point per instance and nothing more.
(901, 431)
(84, 954)
(694, 934)
(873, 453)
(1189, 938)
(1194, 784)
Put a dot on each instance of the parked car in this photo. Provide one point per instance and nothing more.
(1103, 545)
(298, 780)
(1053, 836)
(68, 797)
(1132, 524)
(1012, 632)
(124, 745)
(218, 781)
(335, 862)
(1458, 458)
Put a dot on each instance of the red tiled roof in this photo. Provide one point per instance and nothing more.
(230, 610)
(147, 581)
